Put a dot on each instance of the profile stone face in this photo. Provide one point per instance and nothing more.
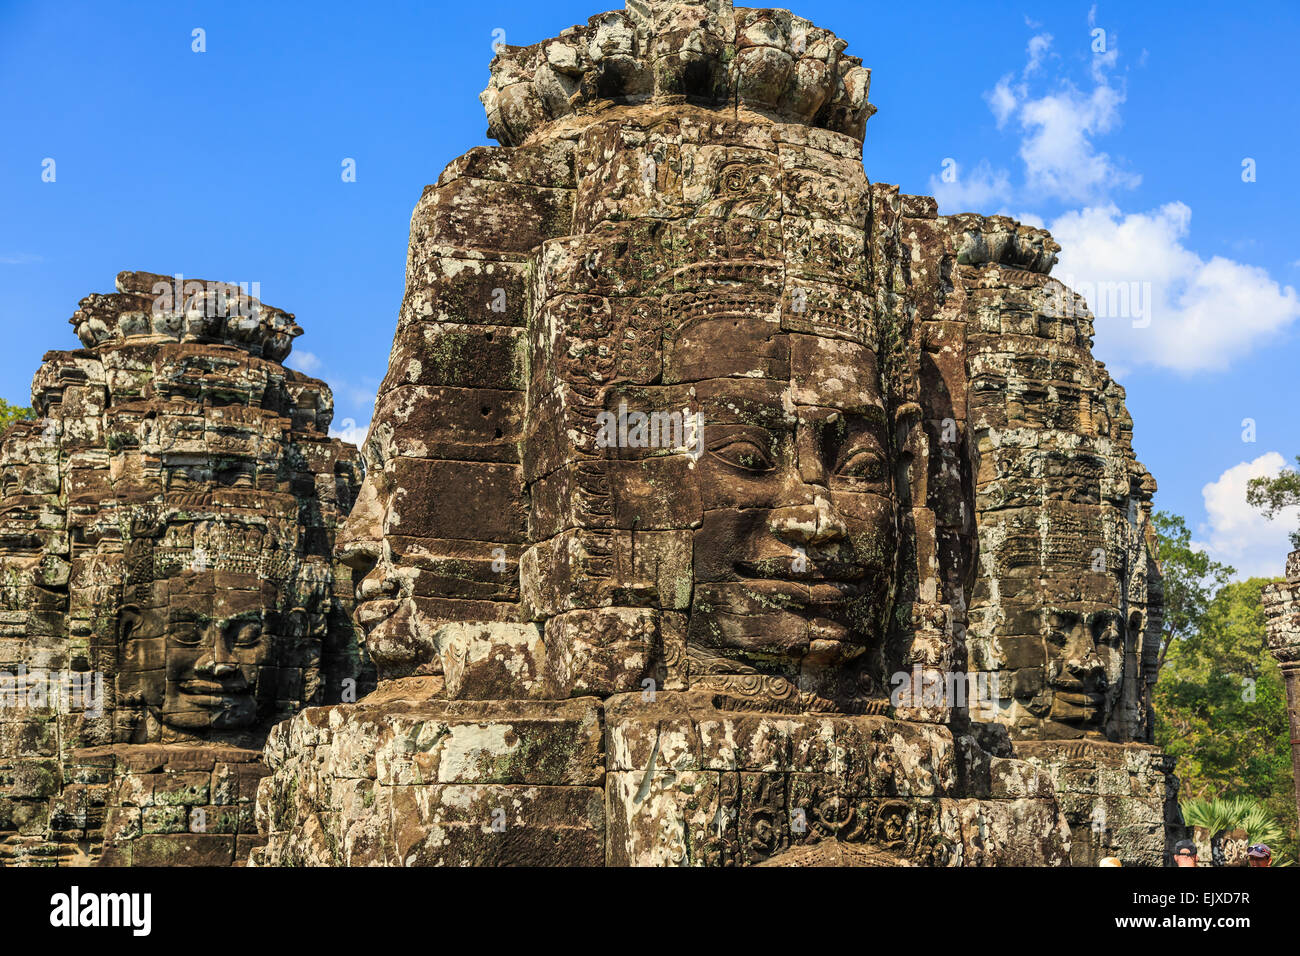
(166, 539)
(722, 507)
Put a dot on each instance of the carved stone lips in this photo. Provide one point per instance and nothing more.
(370, 614)
(803, 593)
(1078, 699)
(208, 693)
(375, 601)
(817, 570)
(373, 586)
(827, 604)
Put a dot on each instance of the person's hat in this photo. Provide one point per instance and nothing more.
(1259, 850)
(1110, 861)
(1185, 848)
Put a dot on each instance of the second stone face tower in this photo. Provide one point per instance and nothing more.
(168, 588)
(669, 528)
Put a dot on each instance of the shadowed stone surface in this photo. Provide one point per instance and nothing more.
(168, 589)
(695, 455)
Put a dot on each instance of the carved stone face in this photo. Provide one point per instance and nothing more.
(709, 273)
(1083, 667)
(793, 560)
(384, 610)
(197, 652)
(31, 572)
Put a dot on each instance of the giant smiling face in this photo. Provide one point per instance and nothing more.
(746, 315)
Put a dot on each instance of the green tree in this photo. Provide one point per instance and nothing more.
(1190, 580)
(1274, 494)
(1221, 706)
(12, 413)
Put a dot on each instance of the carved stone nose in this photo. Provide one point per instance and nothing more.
(1083, 667)
(211, 667)
(816, 523)
(360, 540)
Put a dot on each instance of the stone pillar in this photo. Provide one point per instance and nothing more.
(1282, 609)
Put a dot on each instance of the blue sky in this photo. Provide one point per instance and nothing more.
(226, 165)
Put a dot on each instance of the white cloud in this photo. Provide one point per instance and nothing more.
(1039, 44)
(1058, 127)
(1183, 312)
(1237, 533)
(1002, 101)
(1156, 301)
(305, 362)
(349, 431)
(980, 190)
(20, 259)
(1060, 159)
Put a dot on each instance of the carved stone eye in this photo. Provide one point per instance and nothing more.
(744, 453)
(186, 633)
(864, 464)
(246, 633)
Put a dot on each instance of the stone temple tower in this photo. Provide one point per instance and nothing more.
(699, 496)
(168, 588)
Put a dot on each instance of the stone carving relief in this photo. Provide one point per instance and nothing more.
(167, 553)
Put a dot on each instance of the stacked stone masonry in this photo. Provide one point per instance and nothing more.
(720, 507)
(706, 480)
(168, 588)
(1282, 611)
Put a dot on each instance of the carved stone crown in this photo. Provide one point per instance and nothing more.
(1002, 240)
(152, 307)
(208, 545)
(768, 61)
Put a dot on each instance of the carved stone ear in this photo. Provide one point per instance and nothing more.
(297, 622)
(128, 621)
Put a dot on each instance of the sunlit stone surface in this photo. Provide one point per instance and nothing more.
(168, 589)
(723, 507)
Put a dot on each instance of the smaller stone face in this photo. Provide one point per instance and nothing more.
(1282, 607)
(1066, 609)
(217, 643)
